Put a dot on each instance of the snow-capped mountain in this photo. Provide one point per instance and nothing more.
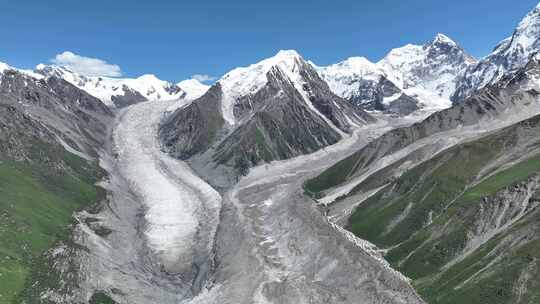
(345, 78)
(117, 92)
(493, 133)
(433, 66)
(6, 67)
(366, 85)
(512, 53)
(54, 106)
(408, 78)
(243, 83)
(274, 109)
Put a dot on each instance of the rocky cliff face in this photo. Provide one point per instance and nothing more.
(70, 114)
(192, 129)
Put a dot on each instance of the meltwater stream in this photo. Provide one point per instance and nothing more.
(176, 240)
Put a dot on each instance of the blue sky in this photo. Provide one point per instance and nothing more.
(176, 39)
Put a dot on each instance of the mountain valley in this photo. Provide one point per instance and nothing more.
(414, 179)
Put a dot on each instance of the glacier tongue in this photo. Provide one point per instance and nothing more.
(173, 208)
(164, 218)
(176, 241)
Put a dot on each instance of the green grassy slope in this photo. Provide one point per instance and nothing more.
(427, 216)
(37, 200)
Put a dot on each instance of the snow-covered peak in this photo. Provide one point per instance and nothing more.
(285, 54)
(107, 89)
(443, 39)
(193, 88)
(434, 66)
(410, 55)
(283, 59)
(509, 54)
(4, 67)
(345, 78)
(427, 73)
(399, 57)
(524, 41)
(354, 64)
(248, 80)
(154, 88)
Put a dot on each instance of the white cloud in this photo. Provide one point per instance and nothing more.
(203, 77)
(86, 65)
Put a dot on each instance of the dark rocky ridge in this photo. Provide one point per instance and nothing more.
(371, 95)
(281, 128)
(69, 113)
(130, 97)
(193, 129)
(273, 123)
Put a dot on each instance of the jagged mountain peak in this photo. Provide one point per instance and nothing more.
(442, 39)
(248, 80)
(409, 53)
(408, 78)
(434, 67)
(287, 54)
(356, 79)
(27, 73)
(274, 109)
(524, 40)
(509, 54)
(443, 45)
(284, 59)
